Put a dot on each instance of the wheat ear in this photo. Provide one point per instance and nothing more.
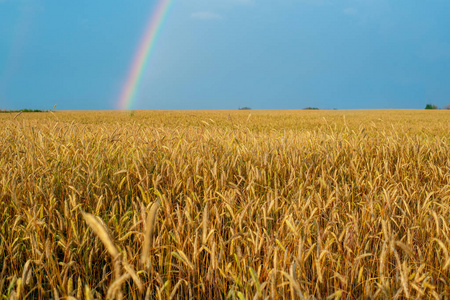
(149, 230)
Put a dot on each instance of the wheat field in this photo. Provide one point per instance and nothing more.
(225, 205)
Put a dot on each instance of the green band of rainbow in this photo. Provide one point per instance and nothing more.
(128, 95)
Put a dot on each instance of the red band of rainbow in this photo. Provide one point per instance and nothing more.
(128, 95)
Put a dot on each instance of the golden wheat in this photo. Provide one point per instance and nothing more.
(209, 205)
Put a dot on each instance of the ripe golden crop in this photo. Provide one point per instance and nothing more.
(225, 204)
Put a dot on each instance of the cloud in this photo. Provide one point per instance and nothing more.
(245, 2)
(225, 2)
(316, 2)
(351, 11)
(206, 15)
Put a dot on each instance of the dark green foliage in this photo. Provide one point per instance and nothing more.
(431, 106)
(22, 110)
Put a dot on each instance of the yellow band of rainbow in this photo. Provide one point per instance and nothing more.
(128, 95)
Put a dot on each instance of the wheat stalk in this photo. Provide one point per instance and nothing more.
(102, 233)
(149, 231)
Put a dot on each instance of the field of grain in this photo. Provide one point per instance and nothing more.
(225, 205)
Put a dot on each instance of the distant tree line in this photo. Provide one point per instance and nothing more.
(434, 106)
(22, 110)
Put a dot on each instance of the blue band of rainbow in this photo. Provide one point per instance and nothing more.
(128, 95)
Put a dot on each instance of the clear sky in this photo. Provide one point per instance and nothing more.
(225, 54)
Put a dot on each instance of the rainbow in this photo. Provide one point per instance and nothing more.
(131, 86)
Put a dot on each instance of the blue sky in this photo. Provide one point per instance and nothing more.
(225, 54)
